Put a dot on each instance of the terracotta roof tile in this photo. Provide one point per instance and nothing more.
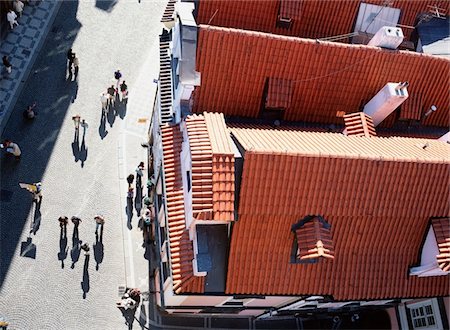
(338, 145)
(212, 167)
(202, 196)
(181, 252)
(311, 19)
(247, 59)
(441, 229)
(279, 94)
(378, 207)
(412, 108)
(359, 124)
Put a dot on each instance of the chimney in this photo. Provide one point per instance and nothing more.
(386, 101)
(387, 37)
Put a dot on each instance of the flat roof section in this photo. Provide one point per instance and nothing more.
(212, 255)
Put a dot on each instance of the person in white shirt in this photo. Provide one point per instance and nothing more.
(18, 7)
(104, 99)
(11, 17)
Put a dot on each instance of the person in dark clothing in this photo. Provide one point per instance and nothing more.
(124, 90)
(112, 95)
(7, 64)
(70, 58)
(130, 180)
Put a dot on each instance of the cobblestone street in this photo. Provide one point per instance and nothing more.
(46, 282)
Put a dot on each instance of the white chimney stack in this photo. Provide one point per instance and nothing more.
(387, 37)
(386, 101)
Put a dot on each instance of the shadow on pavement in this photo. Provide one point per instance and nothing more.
(102, 128)
(138, 199)
(37, 140)
(28, 249)
(128, 314)
(85, 286)
(75, 252)
(129, 212)
(83, 152)
(63, 249)
(106, 5)
(37, 218)
(98, 251)
(76, 146)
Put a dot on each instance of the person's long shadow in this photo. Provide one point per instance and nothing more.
(83, 152)
(36, 218)
(75, 252)
(128, 314)
(76, 145)
(122, 108)
(111, 115)
(63, 249)
(129, 211)
(74, 90)
(85, 286)
(98, 250)
(138, 198)
(102, 128)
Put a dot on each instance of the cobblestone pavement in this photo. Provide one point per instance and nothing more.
(22, 46)
(39, 289)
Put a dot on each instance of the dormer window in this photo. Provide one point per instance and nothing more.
(313, 240)
(435, 254)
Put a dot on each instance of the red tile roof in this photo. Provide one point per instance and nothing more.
(412, 108)
(181, 252)
(279, 94)
(441, 229)
(212, 167)
(378, 196)
(359, 124)
(235, 64)
(201, 155)
(311, 19)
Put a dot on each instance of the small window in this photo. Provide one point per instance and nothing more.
(188, 176)
(422, 317)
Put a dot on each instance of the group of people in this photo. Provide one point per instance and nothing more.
(108, 98)
(130, 299)
(11, 15)
(64, 221)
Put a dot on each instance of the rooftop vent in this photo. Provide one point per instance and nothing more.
(386, 101)
(387, 37)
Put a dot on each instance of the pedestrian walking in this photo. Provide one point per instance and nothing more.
(70, 57)
(99, 223)
(104, 100)
(117, 76)
(11, 17)
(130, 194)
(130, 180)
(139, 174)
(76, 222)
(85, 247)
(76, 121)
(85, 126)
(29, 113)
(124, 90)
(76, 63)
(112, 95)
(63, 221)
(12, 148)
(18, 7)
(7, 64)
